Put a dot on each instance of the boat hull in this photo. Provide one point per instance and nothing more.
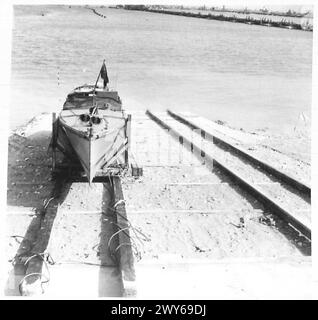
(96, 150)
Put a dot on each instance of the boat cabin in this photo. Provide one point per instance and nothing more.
(88, 96)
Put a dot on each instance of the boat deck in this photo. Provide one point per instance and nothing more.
(111, 120)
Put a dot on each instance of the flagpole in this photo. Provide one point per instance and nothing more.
(100, 71)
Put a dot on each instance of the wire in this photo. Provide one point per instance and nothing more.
(47, 259)
(33, 274)
(46, 203)
(130, 224)
(136, 231)
(115, 233)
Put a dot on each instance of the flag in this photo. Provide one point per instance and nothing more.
(103, 74)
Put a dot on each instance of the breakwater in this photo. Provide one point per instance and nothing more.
(264, 21)
(97, 13)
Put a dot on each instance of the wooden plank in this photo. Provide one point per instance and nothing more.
(128, 136)
(299, 222)
(35, 275)
(301, 186)
(136, 170)
(125, 253)
(54, 140)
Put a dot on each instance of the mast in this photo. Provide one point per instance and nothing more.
(100, 71)
(94, 91)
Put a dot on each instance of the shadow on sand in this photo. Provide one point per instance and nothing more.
(37, 237)
(110, 280)
(30, 186)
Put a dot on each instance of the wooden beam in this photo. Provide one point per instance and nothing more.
(128, 136)
(54, 140)
(136, 170)
(125, 253)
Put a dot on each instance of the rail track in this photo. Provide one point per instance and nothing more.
(119, 244)
(280, 193)
(302, 187)
(116, 239)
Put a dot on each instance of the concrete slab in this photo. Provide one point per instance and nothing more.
(229, 279)
(80, 281)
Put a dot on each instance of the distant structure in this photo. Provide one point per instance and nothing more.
(135, 7)
(295, 12)
(195, 12)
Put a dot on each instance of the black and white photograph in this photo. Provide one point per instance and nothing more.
(158, 150)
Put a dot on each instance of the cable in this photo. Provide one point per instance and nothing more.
(130, 224)
(47, 259)
(46, 202)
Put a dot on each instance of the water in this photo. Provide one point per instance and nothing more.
(249, 76)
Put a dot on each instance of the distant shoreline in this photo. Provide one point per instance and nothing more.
(289, 13)
(268, 22)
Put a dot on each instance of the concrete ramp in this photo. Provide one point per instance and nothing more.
(84, 281)
(230, 279)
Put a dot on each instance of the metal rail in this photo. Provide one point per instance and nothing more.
(263, 198)
(291, 181)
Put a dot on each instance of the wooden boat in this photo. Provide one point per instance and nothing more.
(93, 128)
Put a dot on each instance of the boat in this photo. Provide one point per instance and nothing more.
(93, 128)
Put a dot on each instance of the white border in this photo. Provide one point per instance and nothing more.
(6, 15)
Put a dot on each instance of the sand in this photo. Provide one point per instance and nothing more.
(179, 210)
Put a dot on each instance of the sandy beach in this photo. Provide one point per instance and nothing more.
(154, 202)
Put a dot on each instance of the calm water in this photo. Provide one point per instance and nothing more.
(249, 76)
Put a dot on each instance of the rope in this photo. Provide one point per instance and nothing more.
(33, 274)
(130, 224)
(133, 244)
(114, 234)
(15, 237)
(47, 259)
(47, 202)
(136, 232)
